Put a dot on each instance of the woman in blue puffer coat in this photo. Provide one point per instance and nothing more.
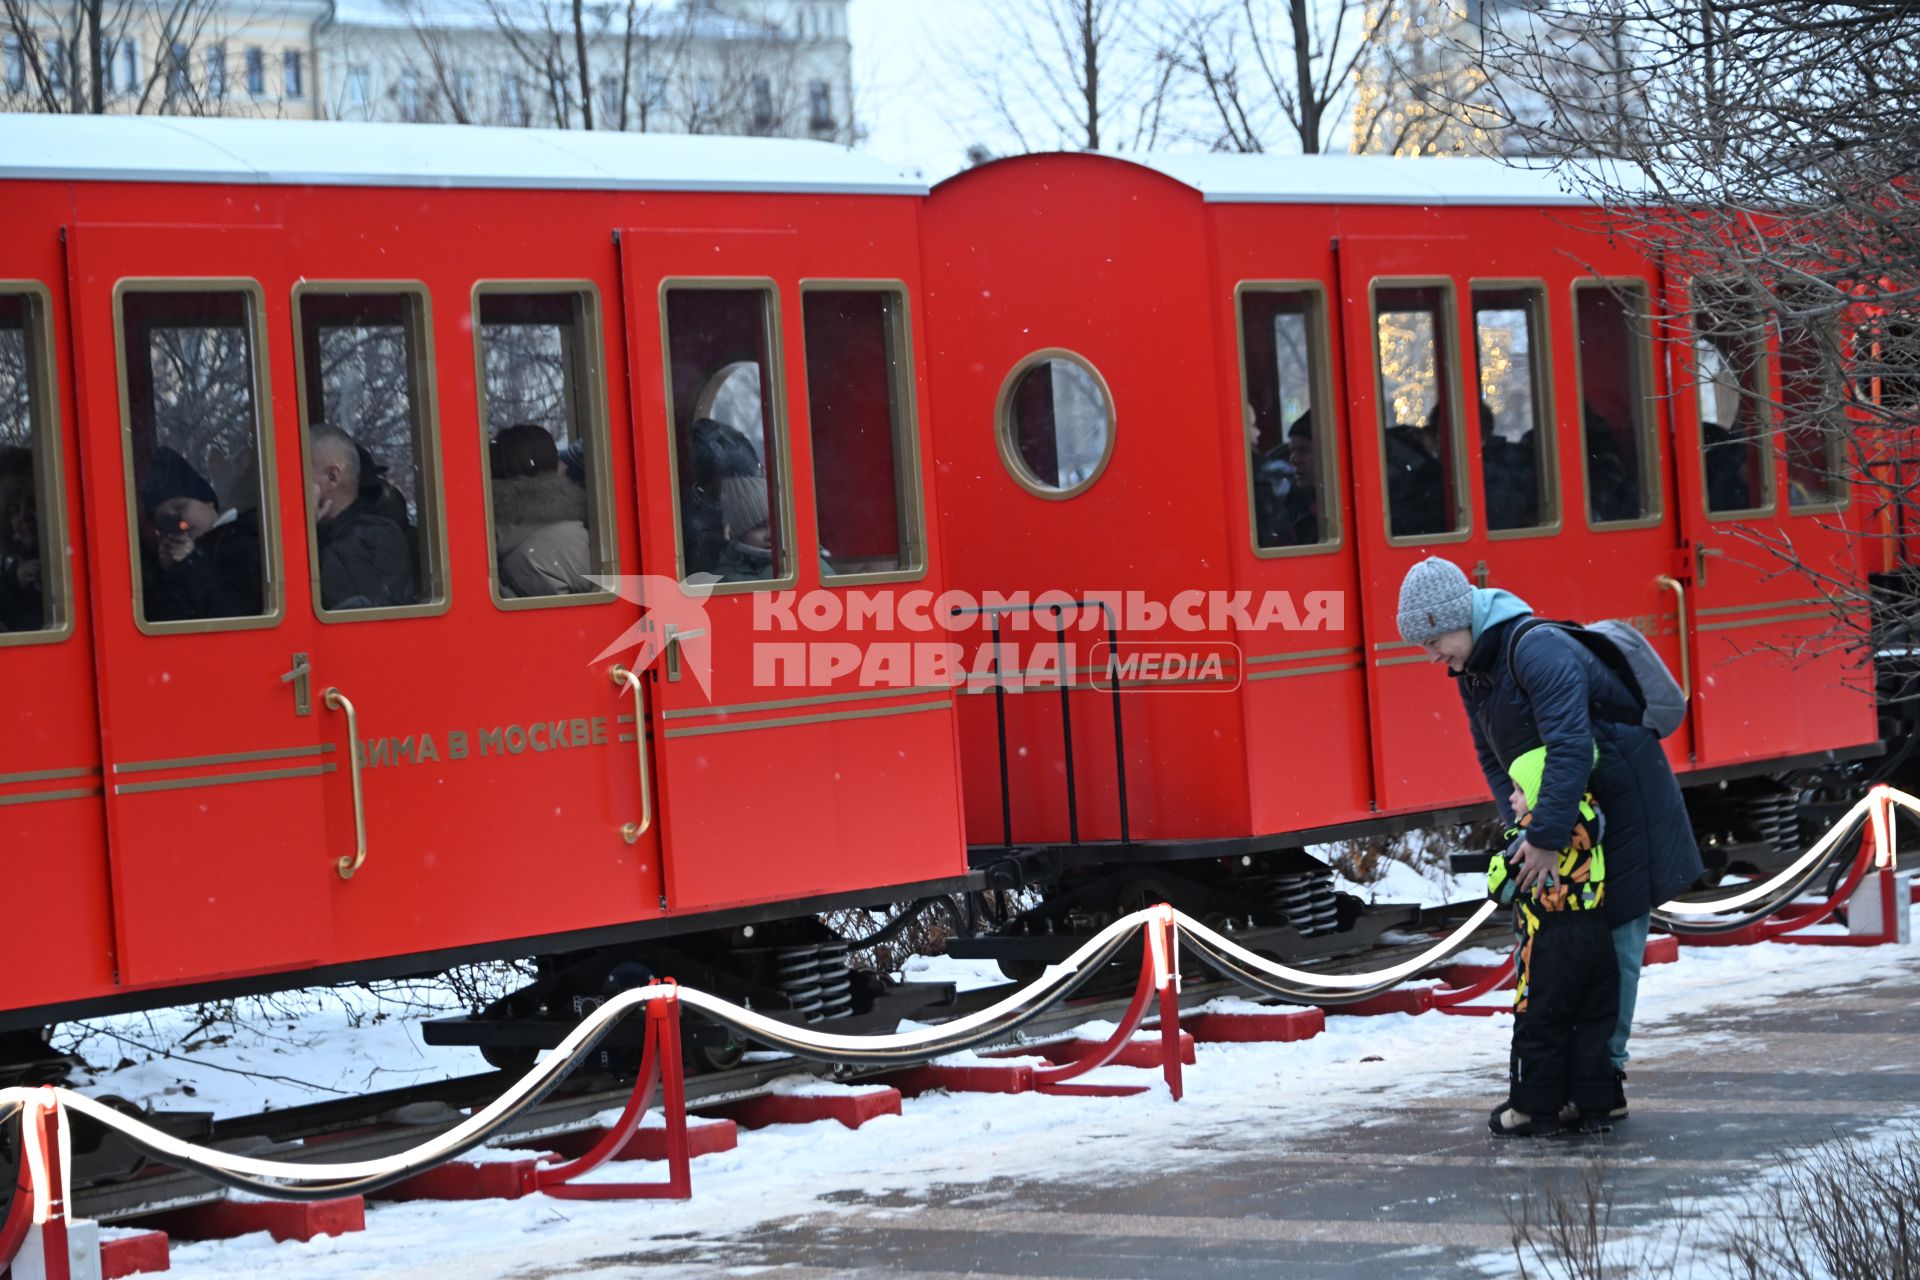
(1548, 689)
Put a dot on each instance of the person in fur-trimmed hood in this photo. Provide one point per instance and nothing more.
(539, 517)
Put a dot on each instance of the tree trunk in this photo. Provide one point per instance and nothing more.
(580, 53)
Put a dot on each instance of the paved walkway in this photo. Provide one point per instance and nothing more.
(1420, 1191)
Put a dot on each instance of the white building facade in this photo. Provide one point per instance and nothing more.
(767, 67)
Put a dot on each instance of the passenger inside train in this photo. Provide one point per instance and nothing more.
(360, 529)
(1510, 474)
(206, 562)
(539, 517)
(716, 453)
(22, 594)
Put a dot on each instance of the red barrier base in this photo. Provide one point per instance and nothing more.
(1662, 948)
(1745, 936)
(1281, 1026)
(282, 1219)
(851, 1109)
(136, 1253)
(704, 1138)
(1012, 1078)
(1399, 1000)
(1139, 1052)
(466, 1180)
(1467, 975)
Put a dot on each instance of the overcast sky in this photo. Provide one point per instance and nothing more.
(909, 79)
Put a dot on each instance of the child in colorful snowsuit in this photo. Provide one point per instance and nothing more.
(1567, 993)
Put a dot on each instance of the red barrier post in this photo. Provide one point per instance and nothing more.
(659, 1062)
(1165, 945)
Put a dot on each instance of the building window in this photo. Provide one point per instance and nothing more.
(1289, 446)
(463, 89)
(610, 99)
(1516, 466)
(1056, 424)
(129, 62)
(1419, 445)
(179, 71)
(357, 87)
(216, 71)
(16, 60)
(514, 99)
(256, 72)
(56, 53)
(859, 401)
(412, 100)
(290, 73)
(1617, 429)
(820, 106)
(762, 102)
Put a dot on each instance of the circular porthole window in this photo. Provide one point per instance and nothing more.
(1056, 424)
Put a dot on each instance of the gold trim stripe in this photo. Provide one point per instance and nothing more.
(223, 779)
(1762, 605)
(1761, 622)
(694, 731)
(40, 797)
(784, 704)
(1402, 660)
(235, 757)
(1266, 658)
(50, 775)
(1304, 671)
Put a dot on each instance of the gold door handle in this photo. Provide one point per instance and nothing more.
(1680, 599)
(632, 831)
(671, 646)
(338, 701)
(1700, 554)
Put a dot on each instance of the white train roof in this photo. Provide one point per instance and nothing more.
(1350, 179)
(327, 153)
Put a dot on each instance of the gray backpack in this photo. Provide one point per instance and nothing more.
(1663, 707)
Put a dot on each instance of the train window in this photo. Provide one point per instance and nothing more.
(1420, 447)
(544, 420)
(372, 461)
(1055, 424)
(1887, 355)
(33, 580)
(1620, 458)
(1292, 494)
(866, 486)
(1812, 397)
(1729, 354)
(1515, 422)
(199, 446)
(728, 441)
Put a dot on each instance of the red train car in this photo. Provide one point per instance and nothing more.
(1296, 377)
(341, 786)
(483, 422)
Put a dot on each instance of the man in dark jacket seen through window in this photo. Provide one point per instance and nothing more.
(365, 562)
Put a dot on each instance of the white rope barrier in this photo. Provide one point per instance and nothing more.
(1340, 981)
(1877, 803)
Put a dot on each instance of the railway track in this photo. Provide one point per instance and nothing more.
(381, 1124)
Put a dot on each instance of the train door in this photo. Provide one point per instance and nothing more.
(1742, 490)
(459, 516)
(55, 850)
(1415, 484)
(217, 752)
(749, 743)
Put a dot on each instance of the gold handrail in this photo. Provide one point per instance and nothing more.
(1686, 670)
(632, 831)
(338, 701)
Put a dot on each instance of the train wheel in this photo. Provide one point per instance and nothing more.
(511, 1058)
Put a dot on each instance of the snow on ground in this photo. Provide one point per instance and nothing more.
(1237, 1095)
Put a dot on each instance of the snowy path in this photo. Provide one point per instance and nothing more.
(1359, 1153)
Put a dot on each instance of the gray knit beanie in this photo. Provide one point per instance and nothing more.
(1435, 598)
